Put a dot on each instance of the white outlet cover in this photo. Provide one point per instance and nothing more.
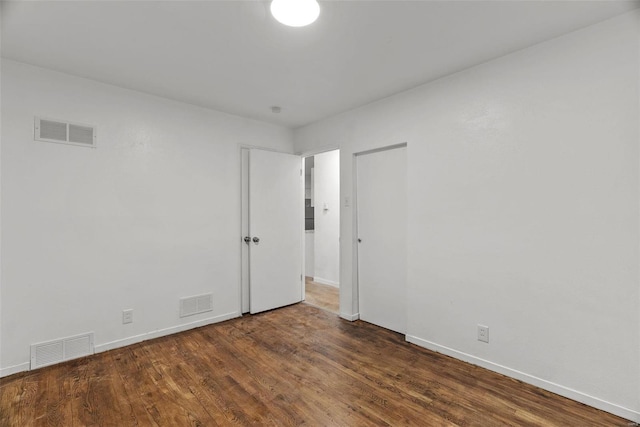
(127, 316)
(483, 333)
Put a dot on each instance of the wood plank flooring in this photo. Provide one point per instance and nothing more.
(323, 296)
(293, 366)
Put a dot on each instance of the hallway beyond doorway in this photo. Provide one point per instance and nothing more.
(322, 296)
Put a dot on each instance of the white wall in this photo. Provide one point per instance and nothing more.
(327, 221)
(149, 216)
(523, 211)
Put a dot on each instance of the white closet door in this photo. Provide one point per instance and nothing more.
(275, 227)
(381, 191)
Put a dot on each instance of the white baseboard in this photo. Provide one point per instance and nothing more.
(350, 317)
(162, 332)
(530, 379)
(135, 339)
(326, 282)
(5, 372)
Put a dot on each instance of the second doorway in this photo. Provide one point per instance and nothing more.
(322, 230)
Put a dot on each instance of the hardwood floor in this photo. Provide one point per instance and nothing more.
(323, 296)
(297, 365)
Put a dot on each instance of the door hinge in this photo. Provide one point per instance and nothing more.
(300, 172)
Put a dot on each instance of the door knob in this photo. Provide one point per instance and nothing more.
(247, 239)
(359, 240)
(256, 240)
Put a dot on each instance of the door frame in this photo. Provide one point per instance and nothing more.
(354, 202)
(244, 198)
(304, 155)
(244, 201)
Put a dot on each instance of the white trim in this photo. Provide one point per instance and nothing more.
(259, 147)
(326, 282)
(303, 235)
(166, 331)
(379, 149)
(355, 291)
(311, 153)
(529, 379)
(23, 367)
(350, 317)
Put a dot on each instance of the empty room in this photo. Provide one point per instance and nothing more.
(349, 213)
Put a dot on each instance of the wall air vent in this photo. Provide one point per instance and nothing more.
(51, 352)
(49, 130)
(196, 305)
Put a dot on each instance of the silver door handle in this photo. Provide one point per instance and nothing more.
(247, 239)
(256, 240)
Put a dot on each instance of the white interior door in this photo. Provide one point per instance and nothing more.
(381, 191)
(275, 224)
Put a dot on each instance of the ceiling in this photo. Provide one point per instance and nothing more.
(234, 57)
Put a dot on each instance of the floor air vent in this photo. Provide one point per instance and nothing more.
(62, 132)
(196, 305)
(51, 352)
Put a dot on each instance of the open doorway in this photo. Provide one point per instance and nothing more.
(322, 230)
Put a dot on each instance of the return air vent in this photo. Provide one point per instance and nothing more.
(62, 132)
(196, 305)
(48, 353)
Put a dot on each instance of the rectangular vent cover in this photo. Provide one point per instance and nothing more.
(196, 305)
(49, 130)
(51, 352)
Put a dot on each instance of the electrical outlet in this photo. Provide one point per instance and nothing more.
(127, 316)
(483, 333)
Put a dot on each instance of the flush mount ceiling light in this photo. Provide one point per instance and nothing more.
(295, 13)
